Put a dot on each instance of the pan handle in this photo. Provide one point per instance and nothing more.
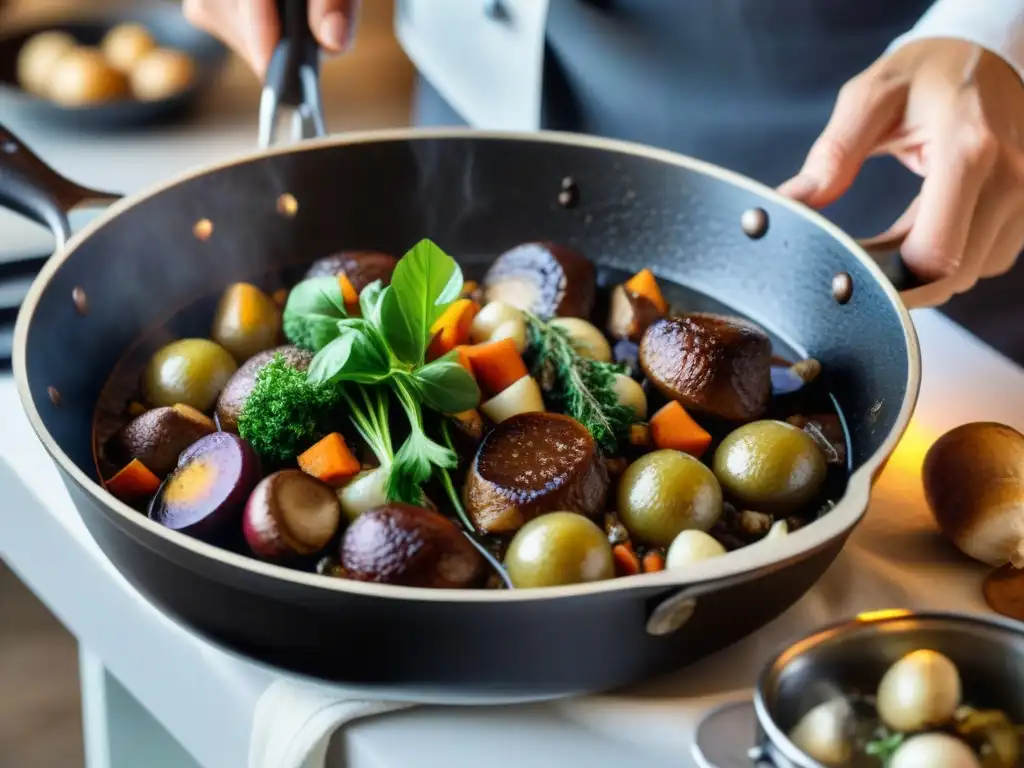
(30, 187)
(916, 294)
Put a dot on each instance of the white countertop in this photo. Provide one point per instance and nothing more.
(206, 697)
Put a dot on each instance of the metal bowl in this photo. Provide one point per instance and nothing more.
(853, 657)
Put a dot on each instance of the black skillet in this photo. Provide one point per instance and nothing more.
(168, 27)
(726, 239)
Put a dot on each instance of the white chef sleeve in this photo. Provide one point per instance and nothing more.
(997, 25)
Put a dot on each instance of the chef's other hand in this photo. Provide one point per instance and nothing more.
(251, 27)
(954, 114)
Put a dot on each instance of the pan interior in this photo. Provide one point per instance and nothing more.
(475, 197)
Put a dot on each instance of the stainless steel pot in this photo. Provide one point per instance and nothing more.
(854, 655)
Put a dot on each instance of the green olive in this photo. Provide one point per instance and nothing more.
(189, 371)
(666, 492)
(770, 466)
(559, 548)
(247, 321)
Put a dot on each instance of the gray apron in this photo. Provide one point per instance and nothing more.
(745, 84)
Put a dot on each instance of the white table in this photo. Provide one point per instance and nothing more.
(150, 685)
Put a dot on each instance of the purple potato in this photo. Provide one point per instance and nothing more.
(205, 495)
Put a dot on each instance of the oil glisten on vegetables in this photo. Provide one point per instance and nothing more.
(568, 430)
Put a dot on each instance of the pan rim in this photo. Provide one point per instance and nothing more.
(741, 565)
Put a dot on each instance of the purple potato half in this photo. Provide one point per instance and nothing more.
(205, 495)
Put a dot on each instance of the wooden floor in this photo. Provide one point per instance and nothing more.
(40, 714)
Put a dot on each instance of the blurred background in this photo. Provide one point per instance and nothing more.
(369, 87)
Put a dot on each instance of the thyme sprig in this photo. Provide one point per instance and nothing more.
(581, 387)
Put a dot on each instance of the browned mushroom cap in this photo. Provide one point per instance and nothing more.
(401, 544)
(714, 364)
(360, 267)
(545, 278)
(531, 464)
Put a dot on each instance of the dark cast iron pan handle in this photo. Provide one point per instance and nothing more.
(32, 188)
(293, 77)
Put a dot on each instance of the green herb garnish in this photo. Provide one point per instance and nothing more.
(381, 355)
(285, 414)
(581, 387)
(885, 746)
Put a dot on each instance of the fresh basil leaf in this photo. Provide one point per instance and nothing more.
(425, 281)
(446, 386)
(312, 312)
(354, 356)
(402, 336)
(369, 301)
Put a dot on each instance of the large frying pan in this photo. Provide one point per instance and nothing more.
(476, 194)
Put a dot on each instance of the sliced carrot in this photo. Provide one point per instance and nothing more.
(136, 408)
(196, 416)
(626, 561)
(133, 481)
(653, 561)
(469, 288)
(496, 364)
(330, 461)
(349, 294)
(463, 357)
(672, 427)
(451, 329)
(643, 283)
(640, 435)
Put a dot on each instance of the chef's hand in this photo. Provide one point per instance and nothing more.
(251, 27)
(953, 114)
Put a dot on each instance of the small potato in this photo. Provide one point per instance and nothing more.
(629, 392)
(586, 338)
(162, 73)
(39, 56)
(82, 77)
(126, 44)
(522, 397)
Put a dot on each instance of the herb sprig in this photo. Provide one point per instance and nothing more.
(581, 387)
(382, 354)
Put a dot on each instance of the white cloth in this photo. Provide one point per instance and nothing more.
(294, 722)
(996, 25)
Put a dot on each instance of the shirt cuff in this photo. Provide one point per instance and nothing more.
(996, 25)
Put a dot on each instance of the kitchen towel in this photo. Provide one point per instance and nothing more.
(294, 721)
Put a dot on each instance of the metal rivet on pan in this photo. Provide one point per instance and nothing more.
(80, 299)
(287, 205)
(842, 287)
(569, 196)
(203, 229)
(54, 396)
(670, 616)
(754, 222)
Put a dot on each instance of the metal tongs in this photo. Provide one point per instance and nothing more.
(293, 78)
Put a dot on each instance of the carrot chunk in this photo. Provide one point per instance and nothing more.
(451, 329)
(349, 294)
(643, 283)
(653, 561)
(626, 561)
(133, 481)
(330, 461)
(672, 427)
(496, 365)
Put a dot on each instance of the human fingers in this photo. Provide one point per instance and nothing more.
(230, 21)
(964, 153)
(332, 22)
(867, 109)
